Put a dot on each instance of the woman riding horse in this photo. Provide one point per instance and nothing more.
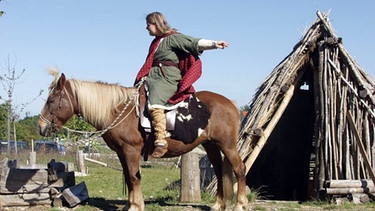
(171, 67)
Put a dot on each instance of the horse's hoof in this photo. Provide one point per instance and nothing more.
(217, 207)
(134, 208)
(240, 207)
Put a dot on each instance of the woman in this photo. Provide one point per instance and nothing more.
(172, 66)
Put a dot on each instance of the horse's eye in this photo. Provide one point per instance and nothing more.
(50, 100)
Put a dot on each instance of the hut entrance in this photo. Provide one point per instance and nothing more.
(281, 171)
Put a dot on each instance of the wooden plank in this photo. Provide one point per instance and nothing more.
(33, 181)
(23, 180)
(27, 199)
(76, 194)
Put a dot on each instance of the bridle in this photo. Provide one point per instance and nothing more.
(115, 123)
(52, 122)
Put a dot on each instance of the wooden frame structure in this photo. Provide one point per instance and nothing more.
(342, 115)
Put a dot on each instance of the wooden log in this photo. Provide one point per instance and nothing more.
(321, 160)
(345, 191)
(190, 178)
(350, 183)
(76, 194)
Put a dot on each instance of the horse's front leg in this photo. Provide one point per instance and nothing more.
(130, 165)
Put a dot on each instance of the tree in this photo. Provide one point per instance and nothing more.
(1, 12)
(3, 121)
(243, 111)
(27, 129)
(76, 124)
(8, 81)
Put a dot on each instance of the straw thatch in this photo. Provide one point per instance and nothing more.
(339, 119)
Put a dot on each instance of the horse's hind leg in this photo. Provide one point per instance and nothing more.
(213, 154)
(239, 169)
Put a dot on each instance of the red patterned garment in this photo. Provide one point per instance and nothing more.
(190, 66)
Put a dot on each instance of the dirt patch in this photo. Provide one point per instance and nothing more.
(262, 205)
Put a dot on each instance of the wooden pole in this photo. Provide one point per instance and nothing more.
(361, 147)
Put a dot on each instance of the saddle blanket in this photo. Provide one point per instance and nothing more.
(186, 122)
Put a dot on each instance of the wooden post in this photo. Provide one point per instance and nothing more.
(80, 162)
(190, 178)
(32, 159)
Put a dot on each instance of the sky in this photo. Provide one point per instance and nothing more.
(108, 41)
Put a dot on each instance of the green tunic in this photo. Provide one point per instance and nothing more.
(163, 85)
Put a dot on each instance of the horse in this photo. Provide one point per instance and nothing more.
(112, 109)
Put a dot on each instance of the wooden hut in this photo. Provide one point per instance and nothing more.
(311, 123)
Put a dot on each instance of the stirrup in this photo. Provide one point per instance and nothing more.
(160, 150)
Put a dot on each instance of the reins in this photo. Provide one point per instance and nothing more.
(116, 122)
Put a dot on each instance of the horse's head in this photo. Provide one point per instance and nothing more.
(58, 108)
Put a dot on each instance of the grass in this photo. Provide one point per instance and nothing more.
(160, 188)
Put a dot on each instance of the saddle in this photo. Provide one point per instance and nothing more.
(185, 123)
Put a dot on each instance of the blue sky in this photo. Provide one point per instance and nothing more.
(107, 40)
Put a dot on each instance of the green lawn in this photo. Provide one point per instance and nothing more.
(160, 188)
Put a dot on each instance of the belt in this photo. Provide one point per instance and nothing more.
(161, 64)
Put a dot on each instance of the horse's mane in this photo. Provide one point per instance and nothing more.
(55, 74)
(99, 101)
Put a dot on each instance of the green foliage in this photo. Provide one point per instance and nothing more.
(76, 124)
(245, 108)
(3, 120)
(27, 129)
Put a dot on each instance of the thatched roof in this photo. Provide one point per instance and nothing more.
(343, 110)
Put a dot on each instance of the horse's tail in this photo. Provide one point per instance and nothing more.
(228, 181)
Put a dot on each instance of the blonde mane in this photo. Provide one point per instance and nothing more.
(99, 101)
(55, 74)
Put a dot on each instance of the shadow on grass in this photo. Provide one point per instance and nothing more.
(107, 205)
(112, 205)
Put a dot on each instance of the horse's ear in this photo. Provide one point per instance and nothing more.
(61, 82)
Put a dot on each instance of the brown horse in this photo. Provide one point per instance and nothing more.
(112, 109)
